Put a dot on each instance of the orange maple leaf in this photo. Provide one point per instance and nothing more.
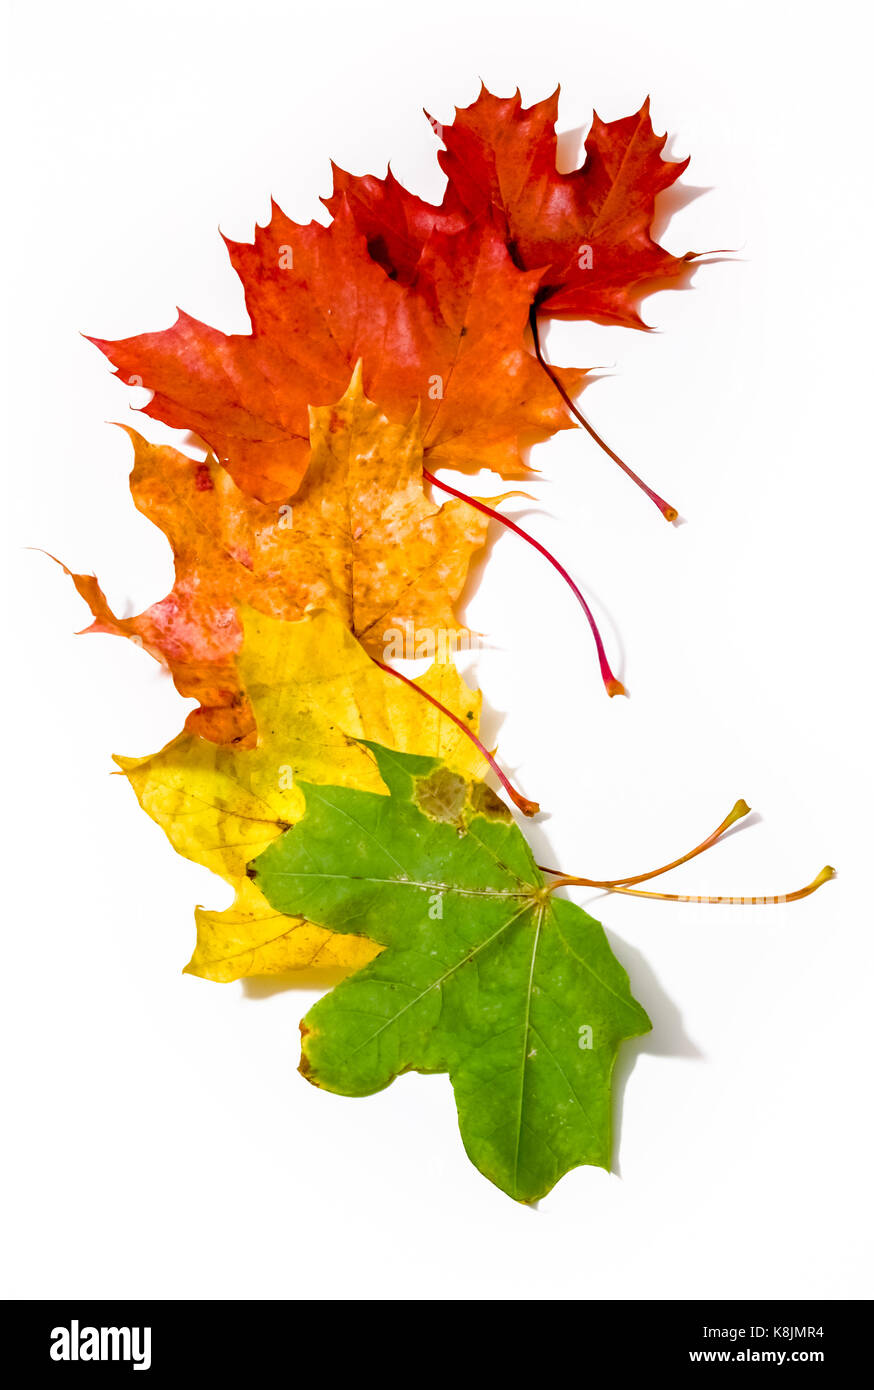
(361, 541)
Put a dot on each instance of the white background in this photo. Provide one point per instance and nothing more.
(159, 1140)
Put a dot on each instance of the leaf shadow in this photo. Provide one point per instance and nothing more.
(323, 977)
(668, 1037)
(607, 623)
(671, 201)
(524, 509)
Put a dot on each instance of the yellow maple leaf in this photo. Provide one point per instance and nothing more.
(314, 692)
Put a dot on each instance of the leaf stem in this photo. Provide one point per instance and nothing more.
(668, 512)
(822, 877)
(528, 808)
(737, 812)
(611, 684)
(624, 885)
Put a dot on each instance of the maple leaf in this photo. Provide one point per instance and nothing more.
(588, 231)
(361, 541)
(315, 693)
(485, 975)
(450, 344)
(591, 227)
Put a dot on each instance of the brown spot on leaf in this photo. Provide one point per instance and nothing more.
(484, 802)
(441, 795)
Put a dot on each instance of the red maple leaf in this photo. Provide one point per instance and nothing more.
(318, 303)
(591, 228)
(588, 232)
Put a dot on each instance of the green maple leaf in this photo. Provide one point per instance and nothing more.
(485, 975)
